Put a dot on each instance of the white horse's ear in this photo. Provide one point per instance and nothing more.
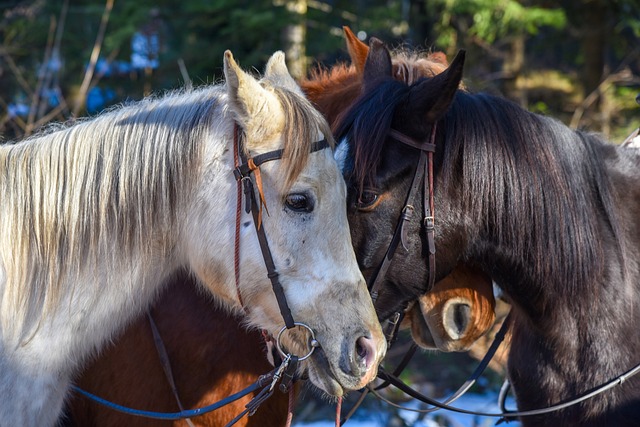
(278, 74)
(253, 106)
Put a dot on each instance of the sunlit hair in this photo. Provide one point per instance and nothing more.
(111, 186)
(298, 139)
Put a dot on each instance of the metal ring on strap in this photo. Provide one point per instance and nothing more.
(313, 343)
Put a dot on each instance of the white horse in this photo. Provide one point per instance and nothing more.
(95, 216)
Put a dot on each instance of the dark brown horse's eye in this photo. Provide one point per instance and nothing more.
(367, 200)
(299, 202)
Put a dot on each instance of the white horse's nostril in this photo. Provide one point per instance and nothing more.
(361, 350)
(366, 351)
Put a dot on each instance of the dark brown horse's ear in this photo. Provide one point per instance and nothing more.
(358, 50)
(434, 96)
(378, 64)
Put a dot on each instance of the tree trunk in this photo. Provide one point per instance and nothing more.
(512, 70)
(420, 24)
(594, 39)
(295, 36)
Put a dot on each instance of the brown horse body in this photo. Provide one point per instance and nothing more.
(212, 356)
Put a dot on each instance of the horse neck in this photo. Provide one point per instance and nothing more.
(537, 194)
(575, 349)
(104, 214)
(549, 224)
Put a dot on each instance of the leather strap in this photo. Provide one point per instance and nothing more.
(250, 197)
(423, 176)
(166, 364)
(243, 168)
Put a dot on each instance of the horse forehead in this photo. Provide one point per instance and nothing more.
(321, 168)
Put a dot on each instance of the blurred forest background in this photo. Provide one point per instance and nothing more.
(577, 60)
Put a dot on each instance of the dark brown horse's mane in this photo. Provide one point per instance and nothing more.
(533, 180)
(539, 186)
(408, 66)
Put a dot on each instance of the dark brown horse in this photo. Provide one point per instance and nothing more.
(550, 213)
(208, 366)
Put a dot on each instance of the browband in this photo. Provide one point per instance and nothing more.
(245, 169)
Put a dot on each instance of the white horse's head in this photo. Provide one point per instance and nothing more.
(306, 227)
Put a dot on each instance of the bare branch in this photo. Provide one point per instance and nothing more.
(16, 72)
(17, 120)
(112, 56)
(622, 74)
(52, 114)
(95, 54)
(35, 99)
(185, 74)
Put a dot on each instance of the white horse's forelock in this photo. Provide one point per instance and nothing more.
(103, 187)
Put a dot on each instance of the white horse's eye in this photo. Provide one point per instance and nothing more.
(299, 202)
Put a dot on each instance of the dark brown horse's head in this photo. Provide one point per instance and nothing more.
(379, 171)
(460, 308)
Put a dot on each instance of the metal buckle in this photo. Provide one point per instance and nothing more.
(407, 212)
(391, 327)
(429, 222)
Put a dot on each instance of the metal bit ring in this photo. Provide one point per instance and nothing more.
(313, 343)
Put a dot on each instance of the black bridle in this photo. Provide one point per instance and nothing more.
(422, 178)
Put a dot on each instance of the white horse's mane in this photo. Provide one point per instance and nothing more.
(113, 181)
(110, 185)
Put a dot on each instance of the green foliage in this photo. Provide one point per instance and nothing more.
(196, 33)
(491, 20)
(539, 107)
(252, 30)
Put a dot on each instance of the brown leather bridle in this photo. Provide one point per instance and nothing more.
(423, 177)
(243, 168)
